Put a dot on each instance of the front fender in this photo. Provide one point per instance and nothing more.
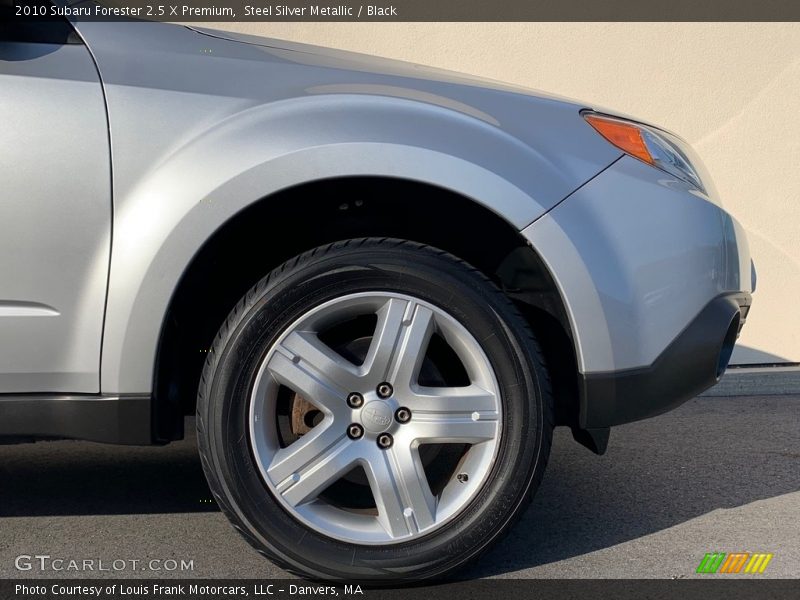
(186, 196)
(203, 127)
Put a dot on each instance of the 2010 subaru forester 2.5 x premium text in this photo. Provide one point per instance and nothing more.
(379, 286)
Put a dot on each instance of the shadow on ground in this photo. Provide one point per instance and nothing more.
(711, 453)
(80, 478)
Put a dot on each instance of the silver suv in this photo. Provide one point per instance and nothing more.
(379, 286)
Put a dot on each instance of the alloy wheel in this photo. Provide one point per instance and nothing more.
(375, 418)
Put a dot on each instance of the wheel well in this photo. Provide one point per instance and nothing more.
(271, 231)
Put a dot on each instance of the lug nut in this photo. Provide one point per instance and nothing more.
(402, 414)
(355, 400)
(355, 431)
(385, 441)
(385, 390)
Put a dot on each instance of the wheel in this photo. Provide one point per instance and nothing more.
(374, 410)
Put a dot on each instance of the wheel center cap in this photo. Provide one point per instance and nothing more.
(376, 416)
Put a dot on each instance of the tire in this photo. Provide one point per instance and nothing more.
(259, 468)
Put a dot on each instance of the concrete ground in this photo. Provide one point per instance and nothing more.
(718, 474)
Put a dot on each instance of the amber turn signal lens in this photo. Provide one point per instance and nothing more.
(625, 136)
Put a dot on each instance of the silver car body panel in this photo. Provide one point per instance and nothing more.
(203, 127)
(637, 254)
(56, 211)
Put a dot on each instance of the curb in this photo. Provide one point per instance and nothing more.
(758, 381)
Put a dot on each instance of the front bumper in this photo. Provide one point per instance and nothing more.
(691, 364)
(656, 279)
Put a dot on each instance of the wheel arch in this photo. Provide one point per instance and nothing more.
(322, 211)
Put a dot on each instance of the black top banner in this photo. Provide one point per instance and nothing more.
(408, 10)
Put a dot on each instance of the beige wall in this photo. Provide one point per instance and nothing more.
(732, 90)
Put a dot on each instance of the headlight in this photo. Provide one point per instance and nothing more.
(647, 144)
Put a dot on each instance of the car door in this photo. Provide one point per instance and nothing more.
(55, 210)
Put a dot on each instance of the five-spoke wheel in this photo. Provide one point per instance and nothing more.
(374, 410)
(376, 416)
